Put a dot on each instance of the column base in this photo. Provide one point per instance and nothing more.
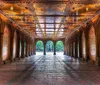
(64, 53)
(11, 60)
(22, 56)
(4, 62)
(34, 53)
(97, 63)
(54, 53)
(44, 54)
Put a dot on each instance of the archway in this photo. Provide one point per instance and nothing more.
(83, 46)
(92, 44)
(59, 47)
(39, 47)
(49, 47)
(14, 45)
(6, 44)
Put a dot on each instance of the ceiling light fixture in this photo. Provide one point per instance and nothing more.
(87, 9)
(11, 8)
(22, 12)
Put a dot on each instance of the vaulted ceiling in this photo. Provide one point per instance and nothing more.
(49, 18)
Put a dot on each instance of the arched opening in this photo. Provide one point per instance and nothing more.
(59, 47)
(14, 45)
(39, 47)
(92, 44)
(49, 47)
(6, 43)
(83, 46)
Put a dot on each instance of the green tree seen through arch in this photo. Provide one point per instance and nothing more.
(49, 46)
(59, 46)
(39, 46)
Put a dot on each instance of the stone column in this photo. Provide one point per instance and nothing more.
(18, 45)
(34, 48)
(98, 48)
(22, 49)
(11, 42)
(80, 45)
(71, 49)
(26, 49)
(97, 32)
(64, 48)
(87, 48)
(68, 49)
(10, 56)
(54, 48)
(76, 49)
(29, 49)
(44, 52)
(2, 25)
(1, 45)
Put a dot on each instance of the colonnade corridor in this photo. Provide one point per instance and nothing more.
(49, 42)
(49, 70)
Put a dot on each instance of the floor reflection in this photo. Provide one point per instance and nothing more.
(49, 70)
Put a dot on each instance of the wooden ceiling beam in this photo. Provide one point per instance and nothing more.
(47, 28)
(70, 15)
(28, 23)
(51, 31)
(51, 2)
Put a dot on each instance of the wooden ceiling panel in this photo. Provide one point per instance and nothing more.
(47, 18)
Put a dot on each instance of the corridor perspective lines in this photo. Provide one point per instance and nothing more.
(50, 70)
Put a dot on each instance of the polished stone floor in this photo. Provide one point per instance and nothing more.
(49, 70)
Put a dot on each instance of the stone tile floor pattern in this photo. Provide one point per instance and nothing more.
(49, 70)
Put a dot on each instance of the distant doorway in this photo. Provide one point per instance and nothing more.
(39, 47)
(59, 47)
(49, 47)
